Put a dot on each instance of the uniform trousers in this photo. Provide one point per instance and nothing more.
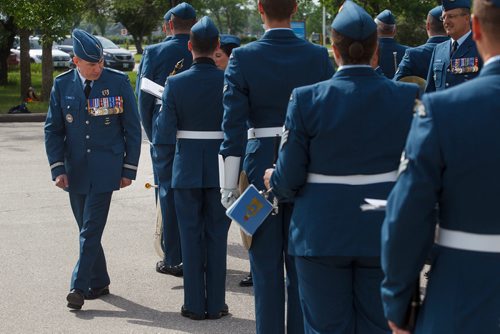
(91, 212)
(162, 165)
(203, 227)
(268, 253)
(341, 295)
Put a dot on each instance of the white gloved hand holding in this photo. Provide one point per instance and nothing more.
(229, 196)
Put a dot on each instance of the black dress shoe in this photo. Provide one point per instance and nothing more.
(191, 315)
(95, 293)
(220, 314)
(247, 281)
(162, 268)
(75, 299)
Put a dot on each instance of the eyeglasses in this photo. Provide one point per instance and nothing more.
(450, 16)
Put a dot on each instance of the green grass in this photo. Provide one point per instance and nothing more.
(10, 94)
(137, 58)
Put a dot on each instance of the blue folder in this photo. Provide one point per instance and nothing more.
(250, 210)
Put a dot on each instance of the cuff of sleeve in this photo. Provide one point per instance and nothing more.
(129, 171)
(57, 170)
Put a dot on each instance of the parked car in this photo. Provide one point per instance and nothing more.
(60, 59)
(14, 58)
(114, 56)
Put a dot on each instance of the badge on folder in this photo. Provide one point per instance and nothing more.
(250, 210)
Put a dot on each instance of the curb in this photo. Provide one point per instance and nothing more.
(18, 118)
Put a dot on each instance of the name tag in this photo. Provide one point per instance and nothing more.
(464, 65)
(105, 106)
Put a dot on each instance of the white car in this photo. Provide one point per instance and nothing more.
(60, 59)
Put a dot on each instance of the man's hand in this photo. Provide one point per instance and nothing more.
(228, 196)
(267, 177)
(396, 330)
(62, 181)
(124, 182)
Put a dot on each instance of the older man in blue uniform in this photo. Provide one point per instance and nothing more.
(451, 160)
(93, 140)
(416, 60)
(256, 100)
(342, 143)
(190, 119)
(390, 51)
(158, 62)
(457, 60)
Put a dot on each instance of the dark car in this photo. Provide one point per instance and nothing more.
(114, 56)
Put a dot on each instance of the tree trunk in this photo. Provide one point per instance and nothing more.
(138, 43)
(47, 70)
(25, 64)
(8, 30)
(4, 67)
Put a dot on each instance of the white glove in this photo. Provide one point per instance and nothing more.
(229, 196)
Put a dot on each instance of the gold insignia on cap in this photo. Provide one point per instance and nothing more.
(69, 118)
(419, 108)
(105, 92)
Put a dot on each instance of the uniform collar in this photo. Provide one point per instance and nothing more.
(494, 59)
(345, 67)
(462, 39)
(274, 29)
(82, 79)
(203, 60)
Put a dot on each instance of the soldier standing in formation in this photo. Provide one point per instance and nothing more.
(457, 60)
(416, 60)
(451, 149)
(390, 52)
(342, 143)
(190, 120)
(93, 142)
(158, 61)
(256, 101)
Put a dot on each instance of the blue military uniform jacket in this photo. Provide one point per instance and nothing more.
(416, 60)
(450, 160)
(157, 63)
(464, 65)
(387, 46)
(94, 150)
(262, 66)
(192, 101)
(354, 124)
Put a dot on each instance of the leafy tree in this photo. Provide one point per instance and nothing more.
(53, 19)
(140, 17)
(410, 15)
(229, 15)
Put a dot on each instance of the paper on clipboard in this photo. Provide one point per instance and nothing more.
(374, 204)
(151, 87)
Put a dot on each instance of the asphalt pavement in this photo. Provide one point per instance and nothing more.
(39, 247)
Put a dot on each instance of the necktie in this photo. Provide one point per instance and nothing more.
(87, 88)
(454, 48)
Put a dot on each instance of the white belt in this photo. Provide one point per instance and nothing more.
(182, 134)
(468, 241)
(158, 101)
(354, 180)
(264, 132)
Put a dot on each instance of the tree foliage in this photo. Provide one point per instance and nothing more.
(410, 15)
(230, 16)
(140, 17)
